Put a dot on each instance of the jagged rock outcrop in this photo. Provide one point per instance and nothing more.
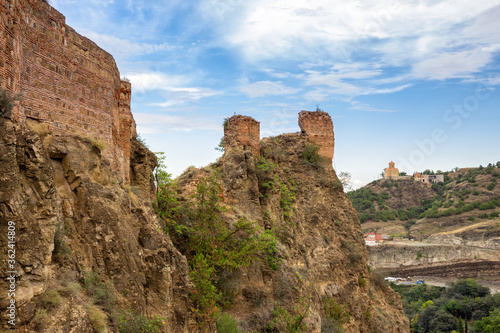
(73, 220)
(324, 259)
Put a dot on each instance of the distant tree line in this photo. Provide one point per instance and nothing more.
(465, 306)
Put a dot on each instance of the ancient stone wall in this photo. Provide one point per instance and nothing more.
(318, 127)
(66, 80)
(242, 131)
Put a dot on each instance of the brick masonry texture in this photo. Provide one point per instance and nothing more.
(65, 79)
(242, 131)
(318, 127)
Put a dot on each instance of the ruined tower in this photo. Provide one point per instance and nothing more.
(68, 83)
(242, 131)
(318, 127)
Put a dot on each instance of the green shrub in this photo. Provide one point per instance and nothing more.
(61, 249)
(491, 186)
(490, 324)
(99, 291)
(265, 165)
(70, 289)
(287, 198)
(225, 323)
(330, 325)
(98, 318)
(494, 214)
(131, 322)
(335, 311)
(41, 319)
(486, 205)
(312, 157)
(419, 255)
(220, 248)
(361, 281)
(51, 299)
(284, 321)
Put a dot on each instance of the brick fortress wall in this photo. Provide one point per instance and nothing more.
(242, 131)
(318, 127)
(66, 80)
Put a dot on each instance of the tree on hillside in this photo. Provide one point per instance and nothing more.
(345, 179)
(489, 324)
(222, 144)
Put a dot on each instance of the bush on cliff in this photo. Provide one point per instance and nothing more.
(213, 246)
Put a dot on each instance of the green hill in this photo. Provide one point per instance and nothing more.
(467, 201)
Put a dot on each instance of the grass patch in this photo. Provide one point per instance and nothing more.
(96, 143)
(51, 299)
(98, 318)
(131, 322)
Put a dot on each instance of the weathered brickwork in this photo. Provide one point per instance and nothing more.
(318, 127)
(242, 131)
(66, 80)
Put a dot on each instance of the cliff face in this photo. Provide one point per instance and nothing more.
(75, 226)
(436, 260)
(320, 243)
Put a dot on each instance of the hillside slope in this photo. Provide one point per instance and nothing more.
(462, 213)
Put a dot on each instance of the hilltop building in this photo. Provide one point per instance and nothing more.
(392, 173)
(428, 179)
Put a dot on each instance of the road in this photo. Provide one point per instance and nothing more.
(440, 282)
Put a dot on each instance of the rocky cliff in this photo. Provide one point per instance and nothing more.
(323, 279)
(89, 254)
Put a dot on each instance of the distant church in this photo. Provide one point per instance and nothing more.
(393, 173)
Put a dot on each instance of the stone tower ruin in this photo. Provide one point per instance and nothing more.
(242, 131)
(317, 126)
(68, 83)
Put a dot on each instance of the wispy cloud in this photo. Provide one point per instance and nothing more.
(175, 89)
(157, 81)
(176, 96)
(265, 88)
(157, 123)
(355, 105)
(123, 48)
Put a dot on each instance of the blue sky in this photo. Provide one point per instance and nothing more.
(415, 82)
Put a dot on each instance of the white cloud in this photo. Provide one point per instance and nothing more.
(176, 96)
(122, 48)
(156, 81)
(264, 88)
(291, 28)
(157, 123)
(452, 65)
(428, 39)
(175, 89)
(366, 107)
